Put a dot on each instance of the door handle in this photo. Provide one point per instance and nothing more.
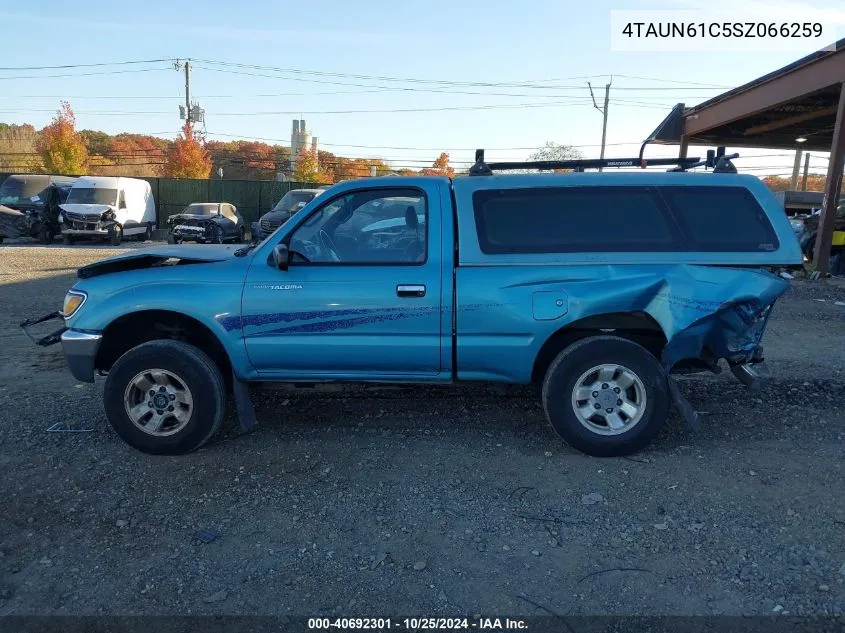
(410, 290)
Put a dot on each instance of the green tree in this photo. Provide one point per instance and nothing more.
(556, 151)
(18, 148)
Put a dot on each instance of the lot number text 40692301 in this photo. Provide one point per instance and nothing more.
(417, 624)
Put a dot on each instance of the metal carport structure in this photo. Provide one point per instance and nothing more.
(805, 99)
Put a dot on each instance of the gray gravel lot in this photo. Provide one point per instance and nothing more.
(429, 501)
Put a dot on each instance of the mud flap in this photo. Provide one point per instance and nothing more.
(243, 405)
(687, 411)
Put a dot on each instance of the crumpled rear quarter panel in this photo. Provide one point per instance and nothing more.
(500, 328)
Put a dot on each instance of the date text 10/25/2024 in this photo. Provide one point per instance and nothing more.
(417, 624)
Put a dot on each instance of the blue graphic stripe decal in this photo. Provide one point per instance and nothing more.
(327, 320)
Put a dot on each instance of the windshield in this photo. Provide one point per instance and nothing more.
(203, 208)
(90, 195)
(292, 198)
(22, 188)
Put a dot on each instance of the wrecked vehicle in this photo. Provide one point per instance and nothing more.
(284, 209)
(597, 287)
(110, 207)
(29, 205)
(809, 230)
(206, 222)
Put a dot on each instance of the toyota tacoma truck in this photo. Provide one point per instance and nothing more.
(596, 287)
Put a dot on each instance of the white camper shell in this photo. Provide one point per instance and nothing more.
(107, 206)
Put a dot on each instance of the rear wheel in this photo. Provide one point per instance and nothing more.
(606, 396)
(241, 235)
(165, 397)
(115, 234)
(147, 235)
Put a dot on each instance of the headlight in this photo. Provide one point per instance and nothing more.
(73, 301)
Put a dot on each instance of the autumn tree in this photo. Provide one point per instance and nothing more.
(18, 148)
(308, 169)
(815, 182)
(247, 160)
(61, 147)
(188, 157)
(440, 167)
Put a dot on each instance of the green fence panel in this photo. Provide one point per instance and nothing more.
(253, 198)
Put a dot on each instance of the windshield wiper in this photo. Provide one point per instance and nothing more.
(243, 250)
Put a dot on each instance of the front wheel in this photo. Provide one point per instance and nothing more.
(165, 397)
(216, 235)
(606, 396)
(115, 234)
(45, 235)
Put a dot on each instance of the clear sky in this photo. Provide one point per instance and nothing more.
(556, 46)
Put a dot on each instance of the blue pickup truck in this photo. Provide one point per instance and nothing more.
(596, 287)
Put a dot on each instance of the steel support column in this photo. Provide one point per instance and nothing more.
(682, 153)
(821, 257)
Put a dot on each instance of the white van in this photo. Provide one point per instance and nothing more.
(107, 206)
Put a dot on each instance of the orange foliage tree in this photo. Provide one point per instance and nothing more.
(815, 182)
(188, 157)
(308, 169)
(440, 167)
(61, 147)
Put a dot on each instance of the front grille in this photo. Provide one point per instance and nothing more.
(81, 217)
(83, 226)
(270, 225)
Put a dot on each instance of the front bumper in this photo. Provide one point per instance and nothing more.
(80, 349)
(186, 232)
(97, 232)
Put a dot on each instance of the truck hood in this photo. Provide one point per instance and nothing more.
(87, 209)
(158, 256)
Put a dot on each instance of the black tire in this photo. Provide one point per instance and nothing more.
(216, 235)
(241, 236)
(172, 239)
(580, 357)
(199, 374)
(45, 235)
(68, 239)
(115, 234)
(147, 235)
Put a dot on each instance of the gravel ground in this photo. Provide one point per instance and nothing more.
(428, 501)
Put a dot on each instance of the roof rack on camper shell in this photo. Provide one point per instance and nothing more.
(716, 159)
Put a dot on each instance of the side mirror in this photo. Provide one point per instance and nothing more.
(281, 256)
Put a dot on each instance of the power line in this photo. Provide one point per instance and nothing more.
(105, 72)
(529, 84)
(138, 61)
(304, 112)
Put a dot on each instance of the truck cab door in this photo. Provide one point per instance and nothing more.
(361, 295)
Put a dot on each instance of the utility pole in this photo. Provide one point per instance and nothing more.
(796, 169)
(603, 112)
(188, 91)
(191, 113)
(806, 171)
